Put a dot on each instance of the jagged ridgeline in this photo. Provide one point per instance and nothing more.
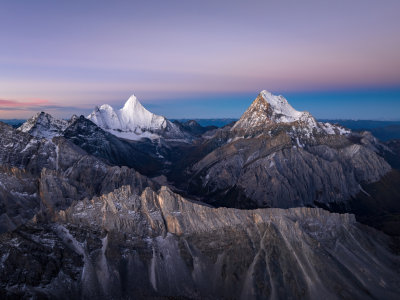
(125, 204)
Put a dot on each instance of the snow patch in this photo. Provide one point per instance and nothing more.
(333, 129)
(134, 136)
(43, 125)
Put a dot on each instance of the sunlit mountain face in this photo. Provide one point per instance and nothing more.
(199, 150)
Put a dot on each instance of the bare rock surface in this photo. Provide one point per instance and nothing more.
(124, 245)
(41, 175)
(275, 156)
(43, 125)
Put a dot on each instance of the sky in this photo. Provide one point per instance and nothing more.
(200, 59)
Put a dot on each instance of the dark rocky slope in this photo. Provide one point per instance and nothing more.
(193, 128)
(144, 156)
(43, 175)
(122, 245)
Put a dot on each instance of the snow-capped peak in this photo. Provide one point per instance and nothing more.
(43, 125)
(132, 121)
(132, 117)
(133, 103)
(268, 108)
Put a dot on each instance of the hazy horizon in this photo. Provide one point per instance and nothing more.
(337, 105)
(189, 59)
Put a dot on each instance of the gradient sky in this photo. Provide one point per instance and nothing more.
(200, 59)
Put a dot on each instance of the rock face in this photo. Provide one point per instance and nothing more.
(145, 156)
(48, 174)
(134, 122)
(194, 128)
(275, 156)
(268, 108)
(122, 245)
(392, 154)
(19, 199)
(43, 125)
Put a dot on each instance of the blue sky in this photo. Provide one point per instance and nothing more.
(199, 59)
(343, 104)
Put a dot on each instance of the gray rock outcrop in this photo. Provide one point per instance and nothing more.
(295, 162)
(45, 175)
(158, 244)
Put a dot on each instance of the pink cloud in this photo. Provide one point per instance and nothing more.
(6, 103)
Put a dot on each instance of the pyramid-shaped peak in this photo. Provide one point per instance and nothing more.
(132, 117)
(43, 125)
(40, 117)
(134, 112)
(133, 121)
(269, 108)
(132, 102)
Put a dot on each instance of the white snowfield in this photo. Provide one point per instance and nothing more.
(282, 111)
(269, 108)
(132, 121)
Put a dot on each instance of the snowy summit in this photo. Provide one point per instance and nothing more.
(268, 108)
(132, 121)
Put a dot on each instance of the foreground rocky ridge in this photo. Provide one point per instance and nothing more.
(158, 244)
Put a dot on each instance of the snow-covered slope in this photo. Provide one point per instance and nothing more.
(43, 125)
(134, 122)
(269, 109)
(131, 117)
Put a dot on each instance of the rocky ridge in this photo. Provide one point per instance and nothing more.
(158, 244)
(43, 125)
(45, 175)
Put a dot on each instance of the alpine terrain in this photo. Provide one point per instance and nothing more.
(134, 122)
(125, 204)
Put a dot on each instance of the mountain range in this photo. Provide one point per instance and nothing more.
(126, 204)
(383, 130)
